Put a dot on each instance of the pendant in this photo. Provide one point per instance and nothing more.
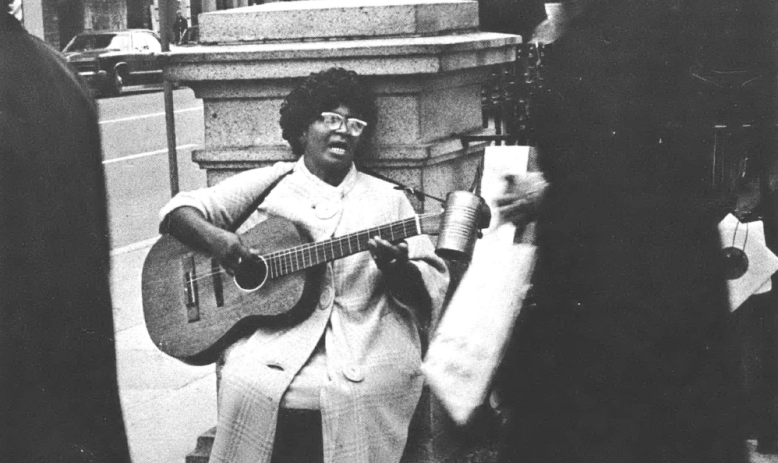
(735, 263)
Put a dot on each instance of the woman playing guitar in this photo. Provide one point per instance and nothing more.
(342, 384)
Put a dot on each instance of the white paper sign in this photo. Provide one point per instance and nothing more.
(762, 263)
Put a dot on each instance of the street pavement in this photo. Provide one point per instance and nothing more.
(168, 404)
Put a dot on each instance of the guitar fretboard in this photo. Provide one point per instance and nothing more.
(309, 255)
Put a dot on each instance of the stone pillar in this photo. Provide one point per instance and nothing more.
(208, 5)
(425, 60)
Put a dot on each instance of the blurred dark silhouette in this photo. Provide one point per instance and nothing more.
(511, 16)
(60, 400)
(626, 354)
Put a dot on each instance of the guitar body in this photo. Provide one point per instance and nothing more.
(194, 309)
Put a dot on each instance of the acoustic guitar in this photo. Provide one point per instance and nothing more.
(194, 309)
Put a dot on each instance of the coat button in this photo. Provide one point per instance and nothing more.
(353, 373)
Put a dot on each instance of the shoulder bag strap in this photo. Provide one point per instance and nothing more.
(250, 210)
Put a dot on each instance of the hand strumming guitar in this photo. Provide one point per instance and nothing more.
(190, 227)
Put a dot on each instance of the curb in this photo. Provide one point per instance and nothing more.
(134, 246)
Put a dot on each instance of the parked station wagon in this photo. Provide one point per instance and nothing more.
(109, 60)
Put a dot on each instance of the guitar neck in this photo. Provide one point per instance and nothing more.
(305, 256)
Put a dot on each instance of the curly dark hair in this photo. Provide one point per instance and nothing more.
(325, 91)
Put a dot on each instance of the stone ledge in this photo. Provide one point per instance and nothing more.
(398, 84)
(398, 46)
(378, 57)
(394, 155)
(331, 19)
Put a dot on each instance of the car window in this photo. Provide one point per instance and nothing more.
(99, 42)
(120, 42)
(145, 40)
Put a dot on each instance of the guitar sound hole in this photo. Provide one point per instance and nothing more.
(251, 275)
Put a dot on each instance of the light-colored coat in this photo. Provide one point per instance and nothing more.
(371, 340)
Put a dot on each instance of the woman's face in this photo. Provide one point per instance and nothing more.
(329, 152)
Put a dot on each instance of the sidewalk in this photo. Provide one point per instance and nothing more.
(168, 404)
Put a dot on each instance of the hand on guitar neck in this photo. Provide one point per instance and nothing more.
(387, 255)
(403, 279)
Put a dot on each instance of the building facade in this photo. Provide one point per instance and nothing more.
(57, 21)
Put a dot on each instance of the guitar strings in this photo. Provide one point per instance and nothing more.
(283, 259)
(294, 259)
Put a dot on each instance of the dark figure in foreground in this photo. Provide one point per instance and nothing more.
(60, 400)
(623, 357)
(511, 16)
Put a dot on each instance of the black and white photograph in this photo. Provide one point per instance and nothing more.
(389, 231)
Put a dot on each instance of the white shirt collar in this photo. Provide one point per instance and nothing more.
(345, 186)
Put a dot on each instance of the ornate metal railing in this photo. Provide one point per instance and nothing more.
(508, 94)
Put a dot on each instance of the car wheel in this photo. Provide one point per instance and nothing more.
(115, 84)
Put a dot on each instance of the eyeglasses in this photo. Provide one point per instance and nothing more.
(334, 121)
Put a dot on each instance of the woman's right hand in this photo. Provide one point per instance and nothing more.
(189, 226)
(230, 250)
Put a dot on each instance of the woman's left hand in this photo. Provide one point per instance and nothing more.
(403, 279)
(387, 255)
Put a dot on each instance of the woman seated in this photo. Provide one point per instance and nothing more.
(342, 384)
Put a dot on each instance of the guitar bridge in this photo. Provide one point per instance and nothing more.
(218, 289)
(190, 289)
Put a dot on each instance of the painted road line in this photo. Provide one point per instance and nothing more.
(145, 116)
(143, 155)
(134, 246)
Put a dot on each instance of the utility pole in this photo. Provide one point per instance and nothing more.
(170, 121)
